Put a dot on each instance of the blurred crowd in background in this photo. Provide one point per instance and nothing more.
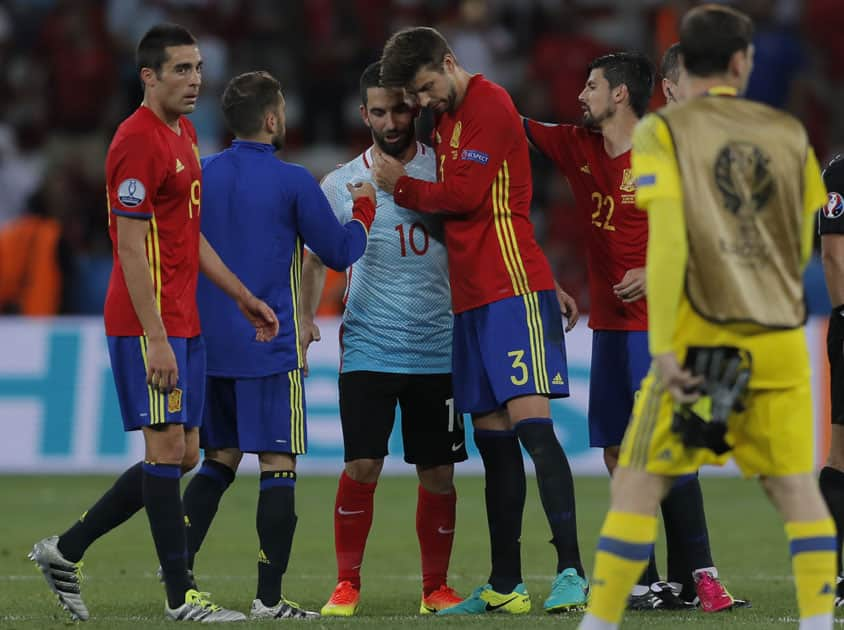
(67, 79)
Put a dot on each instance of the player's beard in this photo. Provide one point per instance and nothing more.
(451, 101)
(593, 121)
(395, 149)
(447, 104)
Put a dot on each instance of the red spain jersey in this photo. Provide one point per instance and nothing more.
(153, 174)
(605, 193)
(484, 189)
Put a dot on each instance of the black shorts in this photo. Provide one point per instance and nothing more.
(432, 432)
(835, 353)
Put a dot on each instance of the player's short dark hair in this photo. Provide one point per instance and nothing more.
(670, 66)
(246, 100)
(371, 78)
(709, 36)
(632, 69)
(151, 52)
(409, 51)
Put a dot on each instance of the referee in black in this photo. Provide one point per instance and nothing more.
(831, 229)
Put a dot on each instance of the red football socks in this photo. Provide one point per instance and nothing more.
(435, 518)
(352, 521)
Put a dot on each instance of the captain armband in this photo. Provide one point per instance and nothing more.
(725, 371)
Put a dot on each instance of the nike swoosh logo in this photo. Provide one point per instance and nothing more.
(343, 512)
(456, 447)
(445, 531)
(490, 607)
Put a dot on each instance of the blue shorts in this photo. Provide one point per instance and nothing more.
(620, 360)
(141, 405)
(506, 349)
(255, 415)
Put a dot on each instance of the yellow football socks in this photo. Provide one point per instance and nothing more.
(813, 550)
(623, 550)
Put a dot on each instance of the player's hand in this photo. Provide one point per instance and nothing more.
(361, 189)
(386, 171)
(260, 316)
(568, 307)
(679, 382)
(632, 286)
(308, 333)
(162, 369)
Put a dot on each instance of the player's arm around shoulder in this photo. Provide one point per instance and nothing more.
(553, 140)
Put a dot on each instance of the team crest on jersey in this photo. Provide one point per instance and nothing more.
(131, 193)
(455, 135)
(174, 401)
(834, 207)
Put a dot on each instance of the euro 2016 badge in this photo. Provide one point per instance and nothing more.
(131, 193)
(834, 207)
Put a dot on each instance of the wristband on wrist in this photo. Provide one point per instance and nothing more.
(364, 211)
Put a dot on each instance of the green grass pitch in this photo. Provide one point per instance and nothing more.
(122, 592)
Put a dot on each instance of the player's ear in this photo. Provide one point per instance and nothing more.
(271, 122)
(148, 77)
(621, 92)
(741, 62)
(666, 89)
(364, 116)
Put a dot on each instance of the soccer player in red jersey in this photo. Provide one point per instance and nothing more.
(508, 355)
(595, 158)
(153, 180)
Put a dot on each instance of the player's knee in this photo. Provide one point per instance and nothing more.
(797, 497)
(189, 462)
(229, 457)
(437, 479)
(835, 459)
(275, 461)
(637, 491)
(365, 470)
(165, 445)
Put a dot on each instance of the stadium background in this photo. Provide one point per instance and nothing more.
(67, 79)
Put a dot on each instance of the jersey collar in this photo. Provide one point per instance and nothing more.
(255, 146)
(722, 90)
